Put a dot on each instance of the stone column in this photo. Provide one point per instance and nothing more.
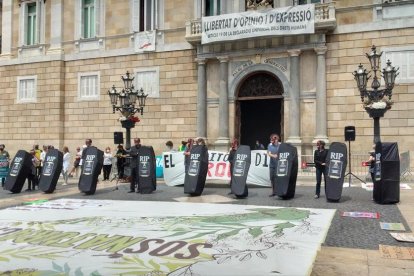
(321, 118)
(294, 104)
(7, 30)
(56, 27)
(202, 99)
(223, 140)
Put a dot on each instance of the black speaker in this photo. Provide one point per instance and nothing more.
(349, 133)
(118, 137)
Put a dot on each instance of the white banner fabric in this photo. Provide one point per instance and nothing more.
(218, 168)
(270, 22)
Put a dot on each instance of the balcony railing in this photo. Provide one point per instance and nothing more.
(325, 21)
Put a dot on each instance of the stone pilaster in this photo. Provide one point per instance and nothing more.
(202, 99)
(56, 27)
(223, 140)
(7, 30)
(294, 103)
(321, 117)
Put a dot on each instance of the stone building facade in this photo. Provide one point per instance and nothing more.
(300, 86)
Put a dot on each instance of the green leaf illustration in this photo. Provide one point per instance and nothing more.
(255, 231)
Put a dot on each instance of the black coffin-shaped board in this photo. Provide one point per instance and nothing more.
(286, 171)
(147, 182)
(20, 169)
(241, 166)
(195, 178)
(91, 168)
(52, 167)
(336, 162)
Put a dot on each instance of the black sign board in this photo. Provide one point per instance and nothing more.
(195, 178)
(286, 171)
(52, 167)
(241, 166)
(387, 188)
(21, 167)
(336, 162)
(147, 181)
(91, 168)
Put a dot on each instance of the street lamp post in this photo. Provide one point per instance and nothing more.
(376, 101)
(127, 100)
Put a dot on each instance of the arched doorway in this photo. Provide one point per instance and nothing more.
(259, 108)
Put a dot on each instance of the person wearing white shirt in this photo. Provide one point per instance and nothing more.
(107, 163)
(66, 163)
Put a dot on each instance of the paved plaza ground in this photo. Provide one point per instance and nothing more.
(351, 244)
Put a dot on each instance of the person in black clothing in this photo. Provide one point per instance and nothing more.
(134, 165)
(319, 158)
(232, 154)
(120, 160)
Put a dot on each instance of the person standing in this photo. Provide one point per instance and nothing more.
(76, 163)
(66, 163)
(371, 163)
(170, 146)
(272, 152)
(120, 160)
(187, 151)
(319, 158)
(232, 155)
(258, 145)
(182, 146)
(107, 163)
(42, 157)
(134, 165)
(32, 178)
(38, 153)
(4, 164)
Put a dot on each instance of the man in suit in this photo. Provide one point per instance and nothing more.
(134, 165)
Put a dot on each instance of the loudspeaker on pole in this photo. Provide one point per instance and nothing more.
(118, 137)
(349, 133)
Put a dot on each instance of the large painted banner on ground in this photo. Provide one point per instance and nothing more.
(218, 167)
(269, 22)
(104, 237)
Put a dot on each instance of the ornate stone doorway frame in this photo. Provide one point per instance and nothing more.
(280, 92)
(259, 108)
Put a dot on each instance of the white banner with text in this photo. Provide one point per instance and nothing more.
(218, 167)
(270, 22)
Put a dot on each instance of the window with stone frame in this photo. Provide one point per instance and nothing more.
(212, 7)
(149, 80)
(144, 15)
(32, 14)
(89, 86)
(305, 2)
(402, 58)
(26, 89)
(89, 19)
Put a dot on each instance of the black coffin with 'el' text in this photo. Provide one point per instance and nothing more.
(147, 182)
(336, 162)
(242, 160)
(195, 178)
(20, 169)
(286, 171)
(387, 174)
(91, 168)
(52, 167)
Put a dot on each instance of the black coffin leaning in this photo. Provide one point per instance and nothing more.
(52, 167)
(195, 178)
(242, 160)
(20, 169)
(387, 188)
(336, 162)
(286, 171)
(91, 168)
(147, 181)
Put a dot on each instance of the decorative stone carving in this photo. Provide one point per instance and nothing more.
(258, 4)
(260, 85)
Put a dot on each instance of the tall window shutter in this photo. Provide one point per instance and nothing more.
(97, 5)
(135, 15)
